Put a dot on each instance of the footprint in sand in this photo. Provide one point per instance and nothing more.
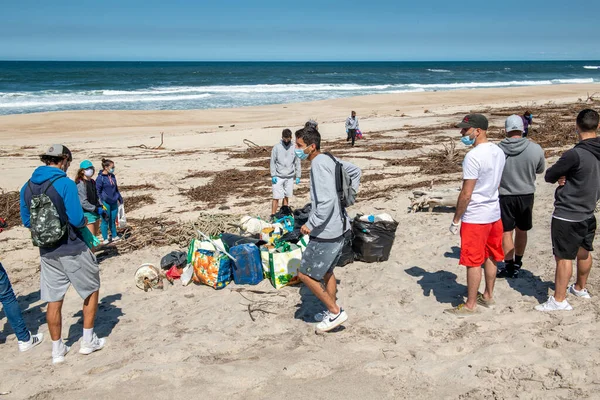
(307, 370)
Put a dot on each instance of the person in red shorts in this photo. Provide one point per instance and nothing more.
(478, 208)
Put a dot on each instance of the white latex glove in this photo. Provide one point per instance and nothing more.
(454, 228)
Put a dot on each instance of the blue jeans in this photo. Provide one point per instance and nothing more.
(11, 307)
(113, 210)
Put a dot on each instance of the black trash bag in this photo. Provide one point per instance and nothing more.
(373, 241)
(301, 216)
(347, 256)
(232, 240)
(284, 211)
(174, 258)
(293, 236)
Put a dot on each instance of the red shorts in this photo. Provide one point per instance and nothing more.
(478, 242)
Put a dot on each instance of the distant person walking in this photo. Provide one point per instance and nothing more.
(351, 127)
(527, 120)
(524, 159)
(111, 198)
(478, 208)
(50, 208)
(573, 227)
(10, 306)
(285, 166)
(328, 226)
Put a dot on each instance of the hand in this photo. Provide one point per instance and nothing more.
(297, 181)
(304, 230)
(454, 228)
(562, 180)
(347, 131)
(274, 180)
(101, 210)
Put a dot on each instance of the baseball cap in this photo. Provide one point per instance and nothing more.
(514, 123)
(474, 121)
(85, 164)
(58, 150)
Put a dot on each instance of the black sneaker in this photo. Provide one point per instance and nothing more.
(509, 272)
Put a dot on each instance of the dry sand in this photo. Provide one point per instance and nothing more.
(194, 342)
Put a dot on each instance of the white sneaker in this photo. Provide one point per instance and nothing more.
(332, 321)
(553, 305)
(59, 357)
(321, 316)
(95, 345)
(116, 238)
(105, 242)
(583, 293)
(34, 340)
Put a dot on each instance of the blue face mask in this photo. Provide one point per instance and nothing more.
(301, 154)
(467, 141)
(112, 170)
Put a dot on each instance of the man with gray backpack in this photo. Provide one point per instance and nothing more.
(50, 208)
(333, 187)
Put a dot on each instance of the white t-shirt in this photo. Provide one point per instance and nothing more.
(484, 163)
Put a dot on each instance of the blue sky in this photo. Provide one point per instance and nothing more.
(234, 30)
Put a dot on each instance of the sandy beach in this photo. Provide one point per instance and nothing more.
(196, 342)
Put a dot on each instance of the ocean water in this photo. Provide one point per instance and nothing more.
(27, 87)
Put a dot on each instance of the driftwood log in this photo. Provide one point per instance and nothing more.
(422, 200)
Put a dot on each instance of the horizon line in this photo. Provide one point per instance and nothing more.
(302, 61)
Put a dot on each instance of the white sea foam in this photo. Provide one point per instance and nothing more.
(438, 70)
(591, 66)
(65, 100)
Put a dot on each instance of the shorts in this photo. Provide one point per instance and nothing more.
(320, 258)
(517, 211)
(568, 237)
(91, 217)
(478, 242)
(57, 274)
(283, 188)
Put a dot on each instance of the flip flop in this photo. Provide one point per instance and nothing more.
(460, 310)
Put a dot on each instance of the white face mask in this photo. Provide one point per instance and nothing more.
(89, 172)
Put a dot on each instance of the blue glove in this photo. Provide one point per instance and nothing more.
(347, 131)
(101, 210)
(274, 180)
(297, 181)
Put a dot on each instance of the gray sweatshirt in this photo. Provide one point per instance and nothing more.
(284, 163)
(83, 198)
(352, 123)
(524, 159)
(325, 219)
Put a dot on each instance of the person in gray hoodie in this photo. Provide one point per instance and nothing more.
(573, 226)
(328, 225)
(284, 167)
(524, 159)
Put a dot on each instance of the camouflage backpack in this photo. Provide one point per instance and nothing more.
(47, 229)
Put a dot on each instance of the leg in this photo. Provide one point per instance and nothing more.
(286, 201)
(564, 270)
(114, 211)
(11, 307)
(319, 291)
(473, 282)
(520, 242)
(90, 306)
(274, 206)
(584, 265)
(54, 319)
(490, 278)
(96, 228)
(330, 285)
(104, 226)
(353, 132)
(508, 246)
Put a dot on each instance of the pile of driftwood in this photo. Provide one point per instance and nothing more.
(422, 200)
(10, 210)
(141, 233)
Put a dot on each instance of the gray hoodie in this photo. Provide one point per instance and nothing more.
(524, 159)
(325, 219)
(284, 163)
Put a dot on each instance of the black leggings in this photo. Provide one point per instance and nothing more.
(351, 135)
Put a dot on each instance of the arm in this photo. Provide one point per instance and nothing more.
(72, 205)
(273, 161)
(298, 167)
(120, 199)
(99, 187)
(541, 167)
(354, 172)
(82, 193)
(347, 123)
(464, 198)
(25, 215)
(357, 124)
(568, 161)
